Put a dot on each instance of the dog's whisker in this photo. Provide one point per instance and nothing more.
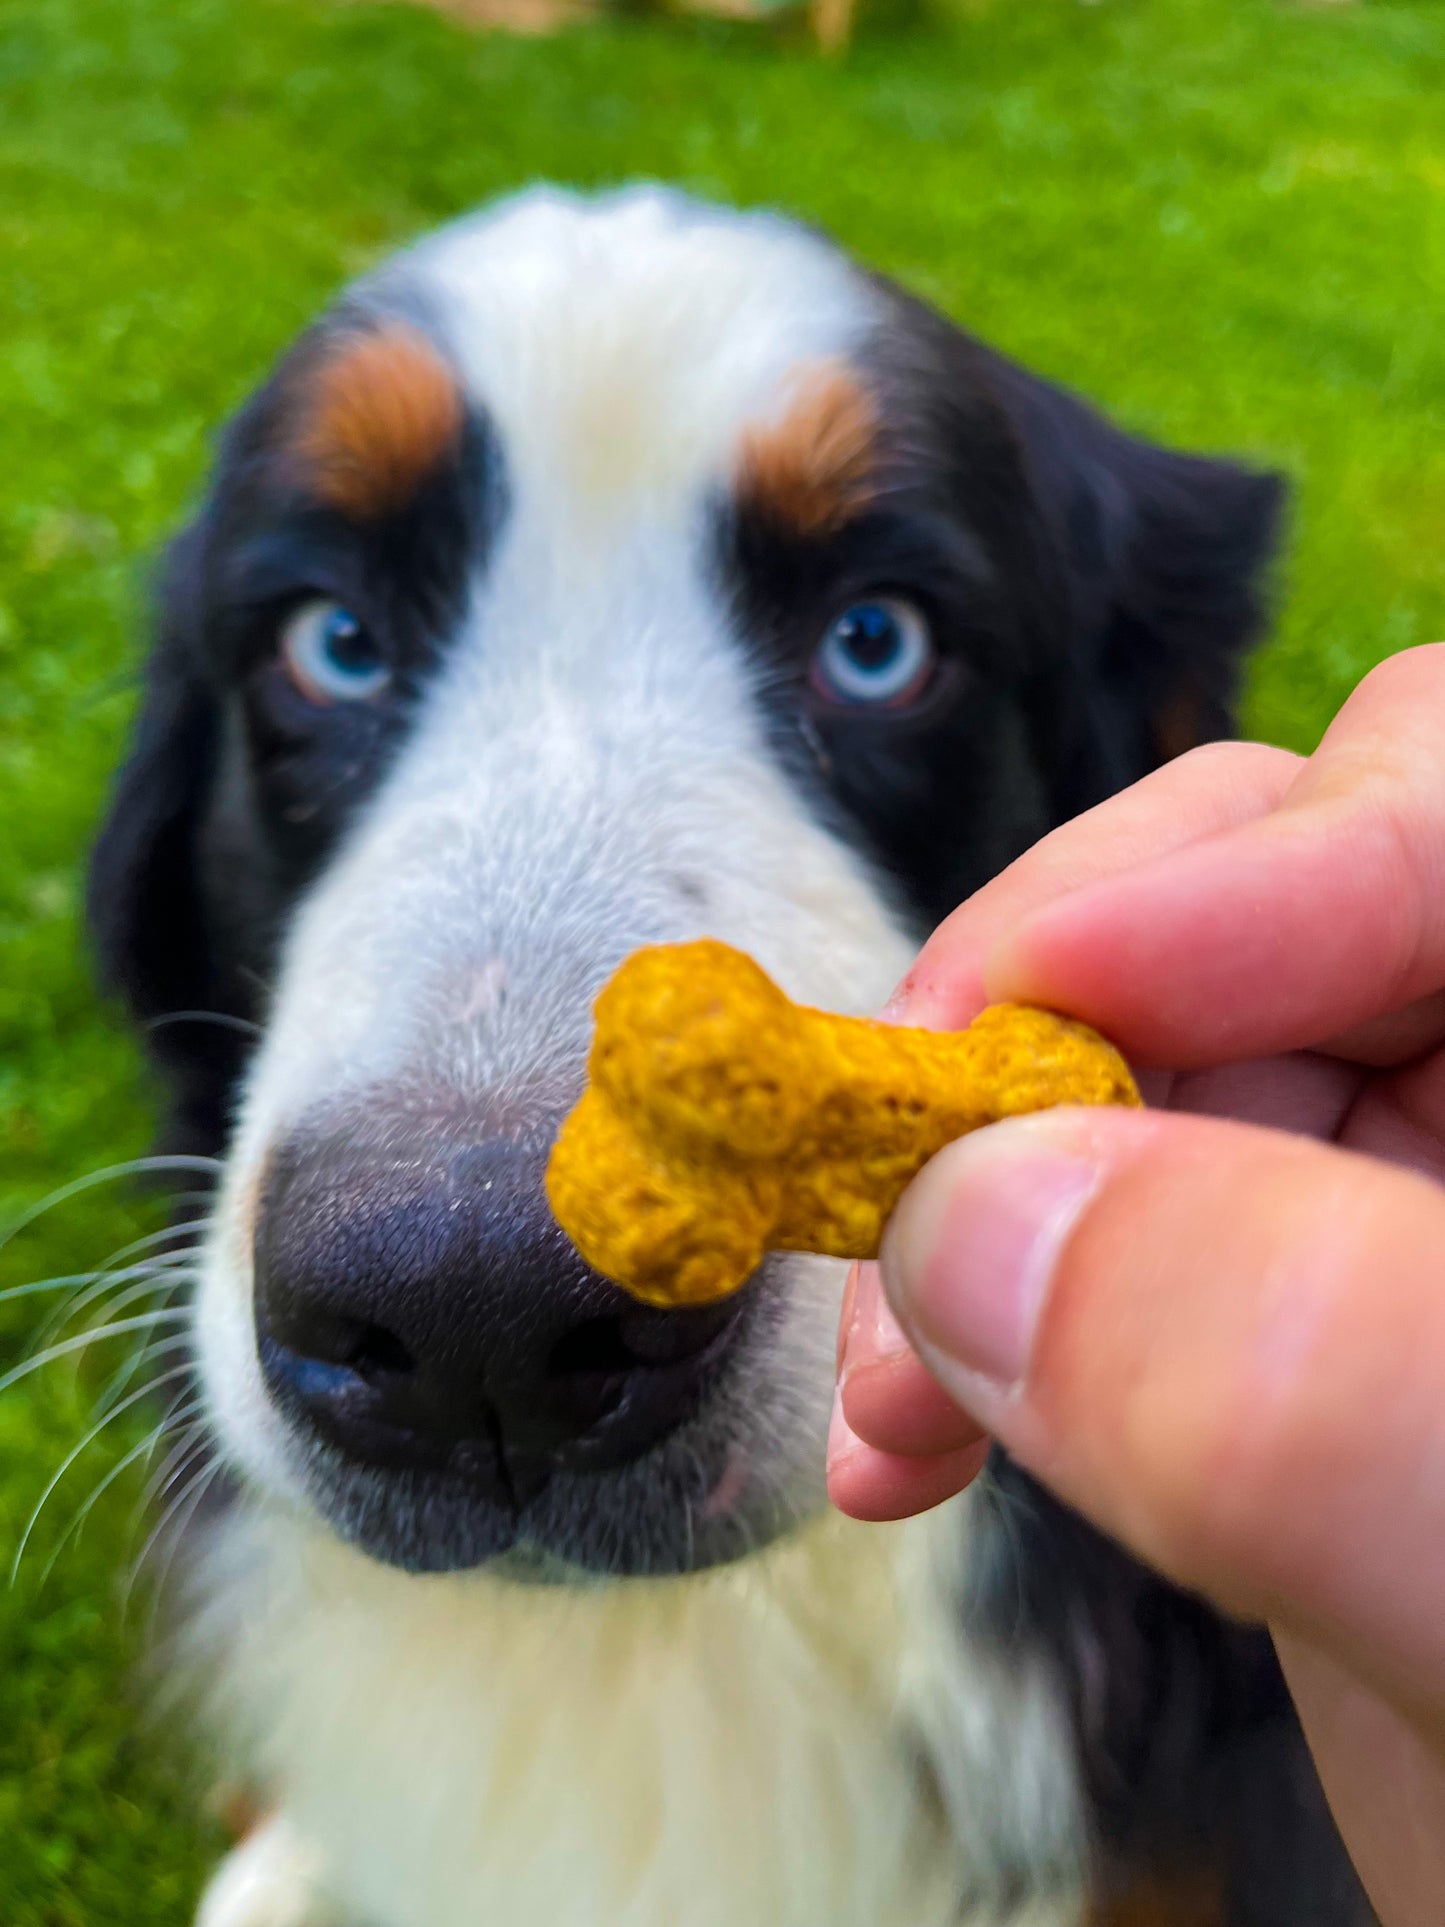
(165, 1234)
(224, 1020)
(184, 1428)
(155, 1278)
(142, 1321)
(38, 1287)
(156, 1274)
(187, 1428)
(193, 1492)
(156, 1166)
(155, 1263)
(180, 1202)
(159, 1351)
(190, 1230)
(151, 1293)
(145, 1391)
(140, 1451)
(161, 1348)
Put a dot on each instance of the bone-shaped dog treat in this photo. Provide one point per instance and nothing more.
(723, 1121)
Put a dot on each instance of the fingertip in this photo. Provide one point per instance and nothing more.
(1047, 957)
(944, 988)
(876, 1487)
(897, 1406)
(886, 1397)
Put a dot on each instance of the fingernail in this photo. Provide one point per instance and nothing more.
(886, 1338)
(845, 1319)
(972, 1249)
(870, 1334)
(923, 1002)
(905, 995)
(843, 1441)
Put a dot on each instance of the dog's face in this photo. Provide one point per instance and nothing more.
(597, 575)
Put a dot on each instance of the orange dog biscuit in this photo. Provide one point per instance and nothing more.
(723, 1121)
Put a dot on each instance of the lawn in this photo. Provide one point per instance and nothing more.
(1223, 218)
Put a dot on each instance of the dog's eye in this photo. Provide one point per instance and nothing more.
(876, 652)
(329, 656)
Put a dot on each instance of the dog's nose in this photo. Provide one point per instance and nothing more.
(419, 1308)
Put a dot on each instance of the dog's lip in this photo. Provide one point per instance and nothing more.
(473, 1529)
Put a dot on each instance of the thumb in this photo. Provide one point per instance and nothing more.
(1224, 1345)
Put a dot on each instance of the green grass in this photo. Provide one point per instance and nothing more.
(1223, 218)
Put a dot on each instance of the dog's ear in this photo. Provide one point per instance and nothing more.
(1166, 560)
(144, 906)
(144, 911)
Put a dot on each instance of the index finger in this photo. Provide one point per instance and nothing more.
(1209, 790)
(1303, 922)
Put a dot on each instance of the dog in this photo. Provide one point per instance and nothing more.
(601, 572)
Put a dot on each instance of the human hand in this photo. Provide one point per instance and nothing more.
(1218, 1327)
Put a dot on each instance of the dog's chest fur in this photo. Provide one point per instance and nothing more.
(740, 1747)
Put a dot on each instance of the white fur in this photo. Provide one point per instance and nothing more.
(742, 1748)
(620, 345)
(705, 1753)
(273, 1879)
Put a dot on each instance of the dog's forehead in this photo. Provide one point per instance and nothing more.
(623, 347)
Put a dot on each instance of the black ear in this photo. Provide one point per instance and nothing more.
(1166, 560)
(145, 910)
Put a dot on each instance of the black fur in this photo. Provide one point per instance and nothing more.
(1192, 1755)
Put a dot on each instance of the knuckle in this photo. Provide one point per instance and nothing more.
(1213, 765)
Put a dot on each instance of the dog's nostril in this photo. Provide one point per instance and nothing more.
(616, 1382)
(377, 1353)
(594, 1349)
(328, 1338)
(667, 1337)
(636, 1341)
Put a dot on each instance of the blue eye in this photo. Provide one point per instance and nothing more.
(877, 652)
(329, 656)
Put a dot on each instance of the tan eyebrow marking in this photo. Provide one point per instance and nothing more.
(377, 415)
(814, 468)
